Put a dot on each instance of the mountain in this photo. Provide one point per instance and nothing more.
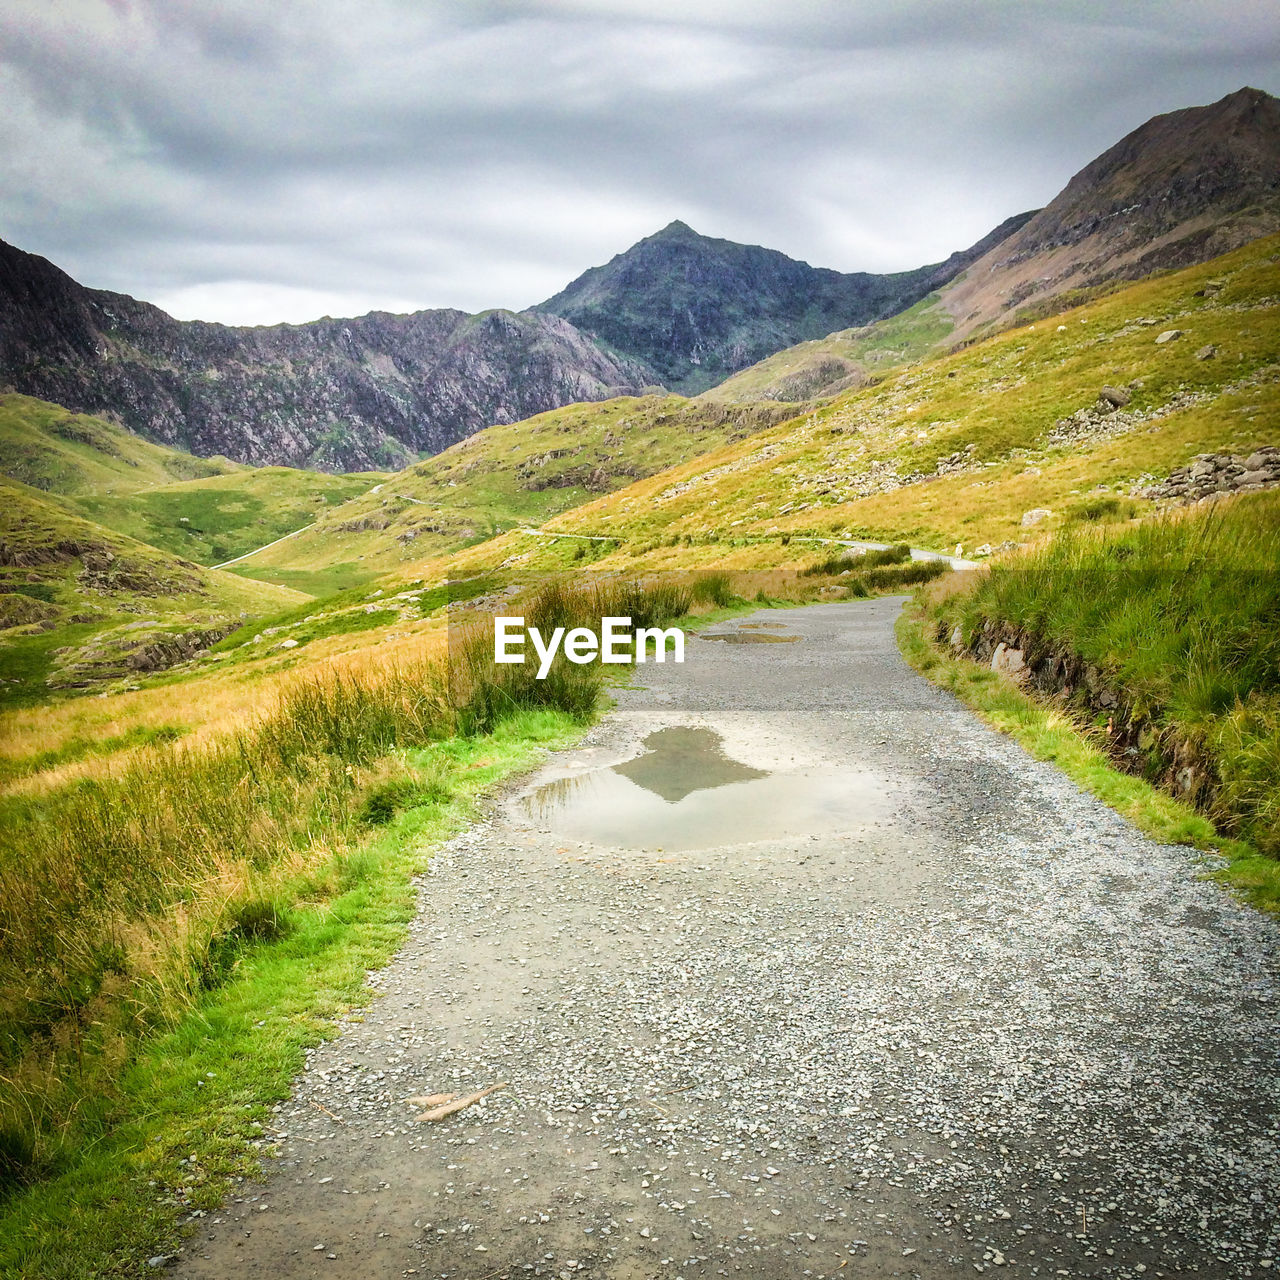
(335, 395)
(678, 308)
(1159, 391)
(1180, 189)
(696, 309)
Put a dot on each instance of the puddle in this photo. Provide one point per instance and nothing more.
(748, 637)
(683, 793)
(764, 626)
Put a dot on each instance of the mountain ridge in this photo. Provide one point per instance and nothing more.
(369, 392)
(697, 308)
(1181, 188)
(677, 308)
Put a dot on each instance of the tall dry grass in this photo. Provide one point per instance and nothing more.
(125, 893)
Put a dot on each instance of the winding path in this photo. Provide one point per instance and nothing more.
(972, 1023)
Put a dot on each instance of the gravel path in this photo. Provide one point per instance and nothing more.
(991, 1028)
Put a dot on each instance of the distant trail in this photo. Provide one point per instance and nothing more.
(956, 562)
(293, 534)
(964, 1019)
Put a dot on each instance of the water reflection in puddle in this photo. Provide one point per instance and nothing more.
(683, 792)
(677, 762)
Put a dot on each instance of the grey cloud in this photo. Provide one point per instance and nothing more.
(482, 152)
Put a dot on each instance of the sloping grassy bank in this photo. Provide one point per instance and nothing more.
(186, 1112)
(1162, 639)
(160, 915)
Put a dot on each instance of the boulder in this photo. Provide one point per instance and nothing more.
(1207, 352)
(1113, 398)
(1009, 661)
(1169, 335)
(1035, 516)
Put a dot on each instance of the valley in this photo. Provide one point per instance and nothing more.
(273, 858)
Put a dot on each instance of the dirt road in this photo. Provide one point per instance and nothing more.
(945, 1015)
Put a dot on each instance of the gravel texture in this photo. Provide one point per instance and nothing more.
(993, 1029)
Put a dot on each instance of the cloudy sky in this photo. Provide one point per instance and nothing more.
(250, 162)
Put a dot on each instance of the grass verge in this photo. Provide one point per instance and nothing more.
(1168, 630)
(1049, 733)
(190, 1113)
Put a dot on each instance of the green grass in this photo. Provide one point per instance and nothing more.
(59, 452)
(1049, 733)
(844, 561)
(1181, 616)
(203, 1087)
(80, 748)
(28, 660)
(350, 611)
(93, 579)
(825, 366)
(221, 517)
(204, 509)
(506, 476)
(325, 581)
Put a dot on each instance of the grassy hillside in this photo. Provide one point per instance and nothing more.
(205, 509)
(1165, 635)
(222, 517)
(841, 361)
(963, 449)
(80, 604)
(507, 475)
(51, 448)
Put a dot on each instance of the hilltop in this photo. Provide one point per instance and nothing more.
(695, 309)
(1180, 189)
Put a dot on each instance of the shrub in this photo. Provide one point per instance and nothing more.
(713, 589)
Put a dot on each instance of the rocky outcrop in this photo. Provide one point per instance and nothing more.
(1210, 474)
(1136, 742)
(137, 648)
(335, 395)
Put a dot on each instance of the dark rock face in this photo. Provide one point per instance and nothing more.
(335, 395)
(697, 309)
